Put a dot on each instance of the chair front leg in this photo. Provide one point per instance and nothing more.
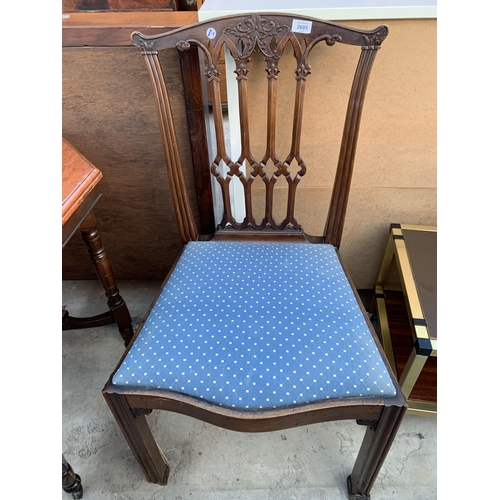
(374, 448)
(133, 424)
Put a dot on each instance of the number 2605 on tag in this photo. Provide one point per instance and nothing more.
(301, 26)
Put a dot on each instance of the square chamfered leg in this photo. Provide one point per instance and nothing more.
(374, 448)
(133, 424)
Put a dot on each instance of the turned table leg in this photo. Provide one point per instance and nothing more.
(102, 265)
(71, 482)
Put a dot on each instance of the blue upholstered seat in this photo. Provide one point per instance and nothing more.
(257, 325)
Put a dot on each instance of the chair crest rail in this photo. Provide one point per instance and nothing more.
(268, 34)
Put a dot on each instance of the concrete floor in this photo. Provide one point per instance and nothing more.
(208, 463)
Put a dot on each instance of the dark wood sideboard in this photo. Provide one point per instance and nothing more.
(109, 115)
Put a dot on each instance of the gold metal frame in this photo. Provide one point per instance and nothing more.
(396, 250)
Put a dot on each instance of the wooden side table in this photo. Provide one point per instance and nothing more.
(80, 193)
(407, 313)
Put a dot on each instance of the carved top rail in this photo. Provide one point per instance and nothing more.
(243, 35)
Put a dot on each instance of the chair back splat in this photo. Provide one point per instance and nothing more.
(277, 337)
(266, 36)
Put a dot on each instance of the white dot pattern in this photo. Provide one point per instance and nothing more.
(269, 325)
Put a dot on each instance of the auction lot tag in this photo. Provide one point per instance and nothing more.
(299, 26)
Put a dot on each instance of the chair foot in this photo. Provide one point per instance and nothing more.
(71, 482)
(354, 496)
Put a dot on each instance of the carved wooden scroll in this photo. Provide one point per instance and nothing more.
(245, 36)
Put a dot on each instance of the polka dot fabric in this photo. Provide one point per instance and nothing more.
(257, 325)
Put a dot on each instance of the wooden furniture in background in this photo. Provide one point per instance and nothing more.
(256, 320)
(80, 193)
(407, 313)
(71, 482)
(113, 29)
(118, 5)
(109, 116)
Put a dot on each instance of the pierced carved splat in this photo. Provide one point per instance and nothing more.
(245, 37)
(256, 30)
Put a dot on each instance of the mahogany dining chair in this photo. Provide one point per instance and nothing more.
(258, 326)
